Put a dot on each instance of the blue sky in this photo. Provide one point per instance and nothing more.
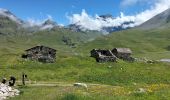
(60, 9)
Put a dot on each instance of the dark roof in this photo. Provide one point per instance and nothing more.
(99, 51)
(123, 50)
(39, 47)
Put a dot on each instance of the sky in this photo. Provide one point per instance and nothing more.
(85, 11)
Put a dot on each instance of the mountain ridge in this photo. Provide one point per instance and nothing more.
(161, 20)
(106, 29)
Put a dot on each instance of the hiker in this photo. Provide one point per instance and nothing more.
(24, 76)
(12, 81)
(4, 80)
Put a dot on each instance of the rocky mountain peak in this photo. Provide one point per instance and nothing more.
(49, 22)
(106, 16)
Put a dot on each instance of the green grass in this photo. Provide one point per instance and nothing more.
(144, 43)
(80, 69)
(75, 65)
(101, 92)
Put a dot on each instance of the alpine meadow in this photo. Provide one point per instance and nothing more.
(91, 58)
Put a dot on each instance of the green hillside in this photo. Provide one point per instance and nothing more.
(153, 44)
(7, 26)
(63, 40)
(121, 80)
(73, 64)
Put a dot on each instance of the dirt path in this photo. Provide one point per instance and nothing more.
(61, 84)
(52, 84)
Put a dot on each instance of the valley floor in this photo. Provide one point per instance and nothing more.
(118, 81)
(65, 91)
(106, 81)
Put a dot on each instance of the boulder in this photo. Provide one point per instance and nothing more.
(81, 85)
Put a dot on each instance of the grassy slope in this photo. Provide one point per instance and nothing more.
(144, 43)
(12, 46)
(75, 65)
(102, 92)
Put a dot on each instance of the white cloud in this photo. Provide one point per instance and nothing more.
(46, 27)
(30, 22)
(6, 13)
(159, 6)
(36, 22)
(33, 22)
(61, 25)
(87, 22)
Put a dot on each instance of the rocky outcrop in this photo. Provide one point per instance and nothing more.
(7, 91)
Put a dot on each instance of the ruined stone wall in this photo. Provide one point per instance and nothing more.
(42, 54)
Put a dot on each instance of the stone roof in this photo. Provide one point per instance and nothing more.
(39, 46)
(123, 50)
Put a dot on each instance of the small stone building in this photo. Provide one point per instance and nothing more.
(103, 55)
(123, 53)
(40, 53)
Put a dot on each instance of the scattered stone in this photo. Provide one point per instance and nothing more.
(7, 91)
(81, 85)
(121, 68)
(150, 61)
(145, 60)
(109, 66)
(134, 83)
(165, 60)
(141, 90)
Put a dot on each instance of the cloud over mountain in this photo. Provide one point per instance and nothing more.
(37, 22)
(7, 13)
(88, 22)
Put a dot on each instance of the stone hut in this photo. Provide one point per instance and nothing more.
(103, 55)
(123, 53)
(40, 53)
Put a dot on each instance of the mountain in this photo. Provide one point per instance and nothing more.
(12, 30)
(77, 27)
(151, 44)
(9, 20)
(149, 40)
(48, 24)
(9, 23)
(161, 20)
(106, 16)
(45, 25)
(13, 27)
(11, 16)
(117, 28)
